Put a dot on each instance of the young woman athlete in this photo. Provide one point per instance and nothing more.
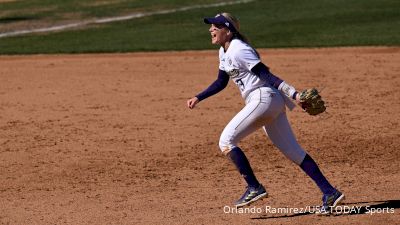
(265, 96)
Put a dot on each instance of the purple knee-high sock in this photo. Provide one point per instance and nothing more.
(242, 164)
(311, 169)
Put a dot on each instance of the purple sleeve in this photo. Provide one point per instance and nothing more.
(217, 86)
(263, 72)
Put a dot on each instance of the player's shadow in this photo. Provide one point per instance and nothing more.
(364, 207)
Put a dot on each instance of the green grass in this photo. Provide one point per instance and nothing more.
(61, 9)
(272, 23)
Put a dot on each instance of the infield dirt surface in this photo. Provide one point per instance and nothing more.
(108, 139)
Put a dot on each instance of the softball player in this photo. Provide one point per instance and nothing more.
(265, 96)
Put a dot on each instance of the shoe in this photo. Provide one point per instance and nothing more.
(251, 195)
(329, 201)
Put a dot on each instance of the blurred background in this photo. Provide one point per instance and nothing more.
(74, 26)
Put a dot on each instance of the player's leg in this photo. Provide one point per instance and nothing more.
(243, 124)
(257, 112)
(281, 134)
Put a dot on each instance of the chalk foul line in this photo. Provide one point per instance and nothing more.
(115, 19)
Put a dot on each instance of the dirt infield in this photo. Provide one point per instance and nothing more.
(107, 139)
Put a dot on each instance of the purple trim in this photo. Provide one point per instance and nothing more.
(294, 95)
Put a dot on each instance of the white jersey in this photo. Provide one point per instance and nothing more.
(237, 62)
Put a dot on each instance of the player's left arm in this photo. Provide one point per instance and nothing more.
(263, 72)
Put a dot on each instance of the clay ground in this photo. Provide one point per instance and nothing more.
(108, 139)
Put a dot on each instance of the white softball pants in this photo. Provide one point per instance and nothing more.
(264, 108)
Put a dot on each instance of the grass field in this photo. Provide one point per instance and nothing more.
(275, 23)
(61, 9)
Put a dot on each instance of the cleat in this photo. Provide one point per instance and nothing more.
(251, 195)
(329, 201)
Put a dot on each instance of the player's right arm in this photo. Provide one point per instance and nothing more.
(218, 85)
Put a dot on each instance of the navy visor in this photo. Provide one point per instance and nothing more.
(220, 20)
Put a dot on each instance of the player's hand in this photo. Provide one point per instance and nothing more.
(298, 98)
(191, 103)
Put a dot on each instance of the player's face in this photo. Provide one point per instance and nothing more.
(219, 34)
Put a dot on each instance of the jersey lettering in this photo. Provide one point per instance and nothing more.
(237, 61)
(233, 73)
(240, 84)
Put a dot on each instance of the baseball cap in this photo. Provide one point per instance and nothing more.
(220, 20)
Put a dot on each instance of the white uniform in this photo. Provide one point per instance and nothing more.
(265, 106)
(237, 62)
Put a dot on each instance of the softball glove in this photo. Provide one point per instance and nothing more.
(311, 102)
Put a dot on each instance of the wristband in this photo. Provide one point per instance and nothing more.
(287, 90)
